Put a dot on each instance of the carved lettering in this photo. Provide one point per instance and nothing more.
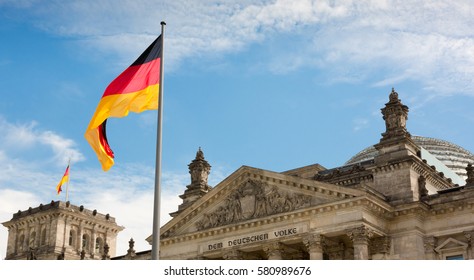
(253, 238)
(248, 239)
(214, 246)
(285, 232)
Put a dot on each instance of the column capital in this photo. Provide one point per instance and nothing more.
(360, 234)
(469, 235)
(429, 242)
(274, 250)
(314, 242)
(233, 255)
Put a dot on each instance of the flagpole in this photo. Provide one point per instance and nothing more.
(155, 246)
(68, 178)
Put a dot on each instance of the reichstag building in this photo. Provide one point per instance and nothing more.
(404, 198)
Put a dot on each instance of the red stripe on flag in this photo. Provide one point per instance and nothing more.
(103, 139)
(135, 78)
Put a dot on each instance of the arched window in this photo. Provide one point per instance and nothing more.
(72, 238)
(85, 242)
(43, 236)
(99, 245)
(32, 239)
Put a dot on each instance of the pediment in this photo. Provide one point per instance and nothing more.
(450, 244)
(254, 199)
(250, 194)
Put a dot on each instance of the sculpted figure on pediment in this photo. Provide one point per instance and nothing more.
(253, 199)
(233, 208)
(261, 205)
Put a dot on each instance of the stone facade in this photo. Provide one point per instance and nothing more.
(392, 205)
(61, 231)
(389, 204)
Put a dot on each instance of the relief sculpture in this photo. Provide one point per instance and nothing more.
(253, 200)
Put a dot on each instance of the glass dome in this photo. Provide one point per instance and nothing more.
(453, 156)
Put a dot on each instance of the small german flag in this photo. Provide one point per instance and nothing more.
(135, 90)
(64, 179)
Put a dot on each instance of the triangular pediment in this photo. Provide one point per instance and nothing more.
(251, 193)
(450, 244)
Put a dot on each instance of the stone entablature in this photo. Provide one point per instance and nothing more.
(347, 175)
(306, 172)
(61, 205)
(370, 205)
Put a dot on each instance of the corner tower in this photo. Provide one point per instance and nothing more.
(396, 141)
(61, 231)
(400, 173)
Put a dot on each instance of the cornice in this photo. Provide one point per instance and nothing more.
(370, 204)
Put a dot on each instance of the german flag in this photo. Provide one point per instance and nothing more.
(64, 179)
(135, 90)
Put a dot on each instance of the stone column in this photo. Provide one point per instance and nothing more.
(106, 256)
(470, 175)
(314, 244)
(336, 251)
(38, 233)
(26, 245)
(48, 230)
(274, 251)
(380, 248)
(93, 240)
(469, 235)
(429, 243)
(66, 233)
(80, 233)
(232, 255)
(360, 238)
(13, 239)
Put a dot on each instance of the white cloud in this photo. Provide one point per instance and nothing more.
(63, 149)
(9, 204)
(427, 41)
(125, 193)
(17, 136)
(24, 180)
(20, 138)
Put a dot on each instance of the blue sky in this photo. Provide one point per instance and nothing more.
(270, 84)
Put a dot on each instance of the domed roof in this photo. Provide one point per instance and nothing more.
(453, 156)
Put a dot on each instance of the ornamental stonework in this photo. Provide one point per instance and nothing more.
(252, 200)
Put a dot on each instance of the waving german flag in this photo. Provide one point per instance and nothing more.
(64, 179)
(135, 90)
